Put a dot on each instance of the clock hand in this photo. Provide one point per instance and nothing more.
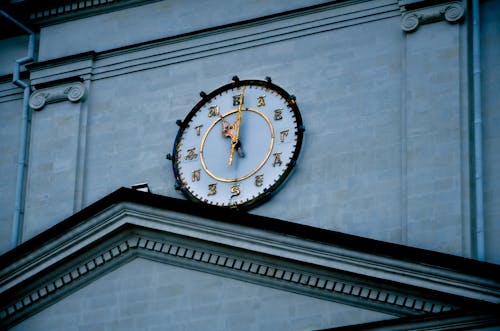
(233, 146)
(227, 128)
(230, 130)
(236, 125)
(239, 149)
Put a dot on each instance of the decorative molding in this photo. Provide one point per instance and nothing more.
(452, 12)
(445, 321)
(128, 224)
(236, 38)
(73, 68)
(278, 273)
(221, 40)
(64, 10)
(66, 7)
(9, 92)
(73, 92)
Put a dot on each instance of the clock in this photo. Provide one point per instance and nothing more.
(238, 144)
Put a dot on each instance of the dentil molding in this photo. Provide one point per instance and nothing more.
(73, 92)
(273, 272)
(273, 253)
(411, 19)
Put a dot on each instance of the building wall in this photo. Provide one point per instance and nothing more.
(10, 126)
(12, 49)
(386, 153)
(10, 119)
(490, 73)
(147, 295)
(159, 19)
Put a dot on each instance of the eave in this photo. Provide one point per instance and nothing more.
(386, 277)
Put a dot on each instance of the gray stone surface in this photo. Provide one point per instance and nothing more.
(11, 50)
(386, 153)
(51, 174)
(433, 130)
(386, 150)
(490, 34)
(148, 295)
(158, 20)
(10, 121)
(348, 175)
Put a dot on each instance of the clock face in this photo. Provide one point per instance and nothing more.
(238, 144)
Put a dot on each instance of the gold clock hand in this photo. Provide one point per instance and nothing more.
(233, 145)
(237, 124)
(242, 99)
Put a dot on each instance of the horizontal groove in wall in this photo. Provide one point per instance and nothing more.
(10, 92)
(205, 44)
(186, 50)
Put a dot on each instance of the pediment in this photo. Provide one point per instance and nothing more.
(363, 274)
(187, 299)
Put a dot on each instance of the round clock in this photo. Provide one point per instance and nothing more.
(238, 144)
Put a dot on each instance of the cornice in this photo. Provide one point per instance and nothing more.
(49, 12)
(215, 41)
(32, 295)
(129, 224)
(54, 72)
(242, 35)
(44, 12)
(10, 92)
(450, 320)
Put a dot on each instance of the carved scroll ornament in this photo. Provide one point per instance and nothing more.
(451, 12)
(73, 92)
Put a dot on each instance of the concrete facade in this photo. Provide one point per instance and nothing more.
(128, 299)
(384, 88)
(491, 104)
(140, 259)
(397, 168)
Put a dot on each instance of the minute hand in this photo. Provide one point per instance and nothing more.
(237, 125)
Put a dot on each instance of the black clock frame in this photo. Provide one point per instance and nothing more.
(269, 192)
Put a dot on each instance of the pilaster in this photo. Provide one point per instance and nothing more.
(433, 157)
(58, 140)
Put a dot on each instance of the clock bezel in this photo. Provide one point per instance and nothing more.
(268, 192)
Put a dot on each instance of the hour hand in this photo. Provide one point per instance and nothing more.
(229, 129)
(239, 149)
(235, 146)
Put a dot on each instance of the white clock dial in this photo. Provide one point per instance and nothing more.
(238, 144)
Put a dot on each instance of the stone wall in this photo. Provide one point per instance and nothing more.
(10, 119)
(386, 153)
(149, 296)
(490, 50)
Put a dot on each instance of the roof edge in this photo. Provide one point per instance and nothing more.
(348, 241)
